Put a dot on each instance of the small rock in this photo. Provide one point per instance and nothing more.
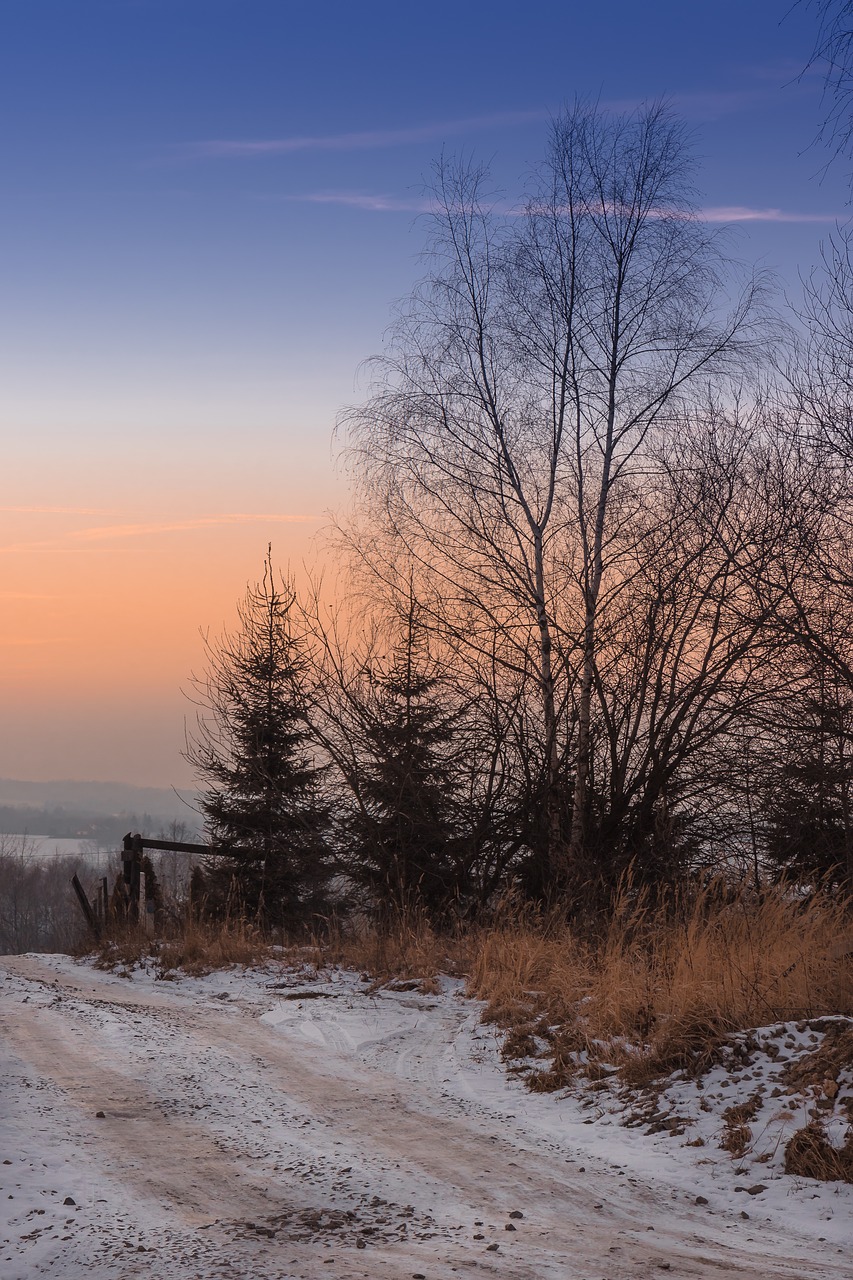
(479, 1236)
(69, 1200)
(492, 1248)
(582, 1169)
(7, 1161)
(516, 1213)
(418, 1275)
(744, 1214)
(701, 1200)
(100, 1115)
(508, 1226)
(359, 1244)
(756, 1190)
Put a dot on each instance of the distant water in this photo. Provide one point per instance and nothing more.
(45, 848)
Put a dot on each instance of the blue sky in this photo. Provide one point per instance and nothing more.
(209, 207)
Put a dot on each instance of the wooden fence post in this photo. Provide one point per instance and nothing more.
(91, 918)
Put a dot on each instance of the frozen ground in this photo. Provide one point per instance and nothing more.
(285, 1126)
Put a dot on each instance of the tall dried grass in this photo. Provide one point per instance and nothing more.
(405, 947)
(663, 984)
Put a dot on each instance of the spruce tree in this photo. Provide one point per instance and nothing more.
(404, 839)
(809, 826)
(262, 804)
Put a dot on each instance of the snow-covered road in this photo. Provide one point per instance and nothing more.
(278, 1126)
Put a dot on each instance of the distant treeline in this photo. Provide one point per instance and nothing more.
(58, 822)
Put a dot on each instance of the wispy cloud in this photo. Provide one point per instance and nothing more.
(56, 511)
(381, 203)
(742, 213)
(372, 203)
(711, 104)
(363, 140)
(181, 526)
(695, 104)
(94, 538)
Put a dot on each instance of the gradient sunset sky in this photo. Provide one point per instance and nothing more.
(209, 207)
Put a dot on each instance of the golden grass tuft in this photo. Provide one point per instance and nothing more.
(809, 1154)
(202, 948)
(196, 948)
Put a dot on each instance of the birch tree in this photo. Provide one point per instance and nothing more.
(514, 402)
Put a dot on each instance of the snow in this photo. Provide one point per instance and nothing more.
(287, 1124)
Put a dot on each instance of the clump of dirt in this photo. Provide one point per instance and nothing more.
(828, 1060)
(375, 1220)
(570, 1053)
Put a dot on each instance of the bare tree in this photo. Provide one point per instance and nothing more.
(514, 405)
(833, 53)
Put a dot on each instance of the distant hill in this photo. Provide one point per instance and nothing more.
(100, 811)
(105, 797)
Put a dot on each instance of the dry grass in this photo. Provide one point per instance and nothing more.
(407, 953)
(809, 1154)
(662, 987)
(737, 1134)
(659, 989)
(407, 949)
(196, 948)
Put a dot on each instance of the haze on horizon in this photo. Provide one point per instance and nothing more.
(211, 207)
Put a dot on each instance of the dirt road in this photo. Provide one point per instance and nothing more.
(337, 1144)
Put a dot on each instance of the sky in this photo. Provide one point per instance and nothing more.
(209, 208)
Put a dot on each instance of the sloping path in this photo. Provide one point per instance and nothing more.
(229, 1147)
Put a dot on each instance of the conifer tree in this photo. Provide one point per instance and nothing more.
(262, 803)
(404, 839)
(809, 828)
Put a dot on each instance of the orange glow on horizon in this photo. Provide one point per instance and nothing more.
(100, 632)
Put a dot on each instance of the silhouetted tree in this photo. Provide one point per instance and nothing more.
(808, 806)
(521, 392)
(403, 835)
(262, 805)
(833, 53)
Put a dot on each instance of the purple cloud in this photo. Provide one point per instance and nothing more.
(365, 140)
(742, 213)
(372, 203)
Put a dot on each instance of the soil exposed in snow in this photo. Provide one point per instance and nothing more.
(290, 1126)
